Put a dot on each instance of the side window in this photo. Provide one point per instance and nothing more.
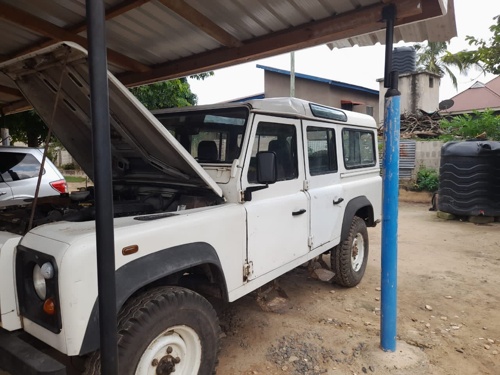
(18, 166)
(282, 140)
(321, 150)
(358, 148)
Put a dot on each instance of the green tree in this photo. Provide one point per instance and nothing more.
(486, 53)
(430, 58)
(166, 94)
(26, 127)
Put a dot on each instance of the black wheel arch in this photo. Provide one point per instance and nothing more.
(359, 206)
(164, 267)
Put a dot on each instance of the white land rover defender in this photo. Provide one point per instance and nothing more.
(210, 201)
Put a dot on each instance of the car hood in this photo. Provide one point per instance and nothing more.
(141, 147)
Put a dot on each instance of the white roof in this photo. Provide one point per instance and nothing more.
(286, 106)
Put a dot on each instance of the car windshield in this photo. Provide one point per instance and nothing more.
(210, 136)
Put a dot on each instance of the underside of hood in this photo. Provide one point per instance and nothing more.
(141, 147)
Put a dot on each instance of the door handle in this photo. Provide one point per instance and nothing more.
(2, 193)
(340, 200)
(299, 212)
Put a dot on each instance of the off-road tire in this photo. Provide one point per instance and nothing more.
(146, 316)
(341, 255)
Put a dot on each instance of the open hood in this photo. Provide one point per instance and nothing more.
(141, 147)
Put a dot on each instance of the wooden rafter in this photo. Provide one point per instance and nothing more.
(319, 32)
(202, 22)
(10, 91)
(112, 12)
(47, 29)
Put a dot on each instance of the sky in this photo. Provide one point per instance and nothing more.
(357, 65)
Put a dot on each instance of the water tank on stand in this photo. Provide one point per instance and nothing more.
(404, 59)
(469, 178)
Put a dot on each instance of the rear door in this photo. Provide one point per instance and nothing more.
(326, 194)
(277, 216)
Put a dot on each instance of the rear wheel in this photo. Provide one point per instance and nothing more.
(349, 258)
(168, 330)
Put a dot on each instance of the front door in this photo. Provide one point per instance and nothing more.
(278, 216)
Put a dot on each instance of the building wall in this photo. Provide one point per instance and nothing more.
(278, 85)
(428, 154)
(416, 93)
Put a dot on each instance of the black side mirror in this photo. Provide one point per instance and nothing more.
(266, 167)
(266, 173)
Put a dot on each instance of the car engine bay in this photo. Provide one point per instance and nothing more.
(129, 199)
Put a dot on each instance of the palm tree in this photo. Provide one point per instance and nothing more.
(430, 58)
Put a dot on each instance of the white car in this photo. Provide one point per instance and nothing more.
(209, 202)
(19, 170)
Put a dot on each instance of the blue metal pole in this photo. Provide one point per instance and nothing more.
(388, 320)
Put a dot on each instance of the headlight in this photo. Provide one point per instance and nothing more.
(37, 288)
(39, 282)
(40, 274)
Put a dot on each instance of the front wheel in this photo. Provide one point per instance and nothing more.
(168, 330)
(349, 258)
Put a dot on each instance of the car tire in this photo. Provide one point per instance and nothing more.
(349, 258)
(171, 327)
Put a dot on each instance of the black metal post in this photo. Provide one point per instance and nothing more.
(99, 101)
(388, 15)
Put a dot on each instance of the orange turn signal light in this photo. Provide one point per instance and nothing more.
(128, 250)
(49, 306)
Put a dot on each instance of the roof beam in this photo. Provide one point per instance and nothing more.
(202, 22)
(10, 91)
(341, 26)
(42, 27)
(111, 13)
(16, 107)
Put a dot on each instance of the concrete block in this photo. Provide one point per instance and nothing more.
(445, 215)
(481, 219)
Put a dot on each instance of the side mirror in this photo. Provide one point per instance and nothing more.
(266, 168)
(266, 173)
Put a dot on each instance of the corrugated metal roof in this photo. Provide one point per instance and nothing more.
(151, 40)
(434, 30)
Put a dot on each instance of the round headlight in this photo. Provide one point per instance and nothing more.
(47, 270)
(39, 282)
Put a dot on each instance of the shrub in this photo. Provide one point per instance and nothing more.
(481, 125)
(427, 180)
(69, 166)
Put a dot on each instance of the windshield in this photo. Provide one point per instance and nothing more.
(210, 136)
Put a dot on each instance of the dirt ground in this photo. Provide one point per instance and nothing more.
(448, 309)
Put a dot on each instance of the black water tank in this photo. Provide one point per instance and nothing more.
(469, 178)
(404, 59)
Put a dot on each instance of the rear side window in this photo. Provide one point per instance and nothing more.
(15, 166)
(321, 151)
(358, 148)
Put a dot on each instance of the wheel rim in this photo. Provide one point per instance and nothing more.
(176, 350)
(357, 252)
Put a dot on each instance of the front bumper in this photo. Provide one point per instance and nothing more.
(21, 358)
